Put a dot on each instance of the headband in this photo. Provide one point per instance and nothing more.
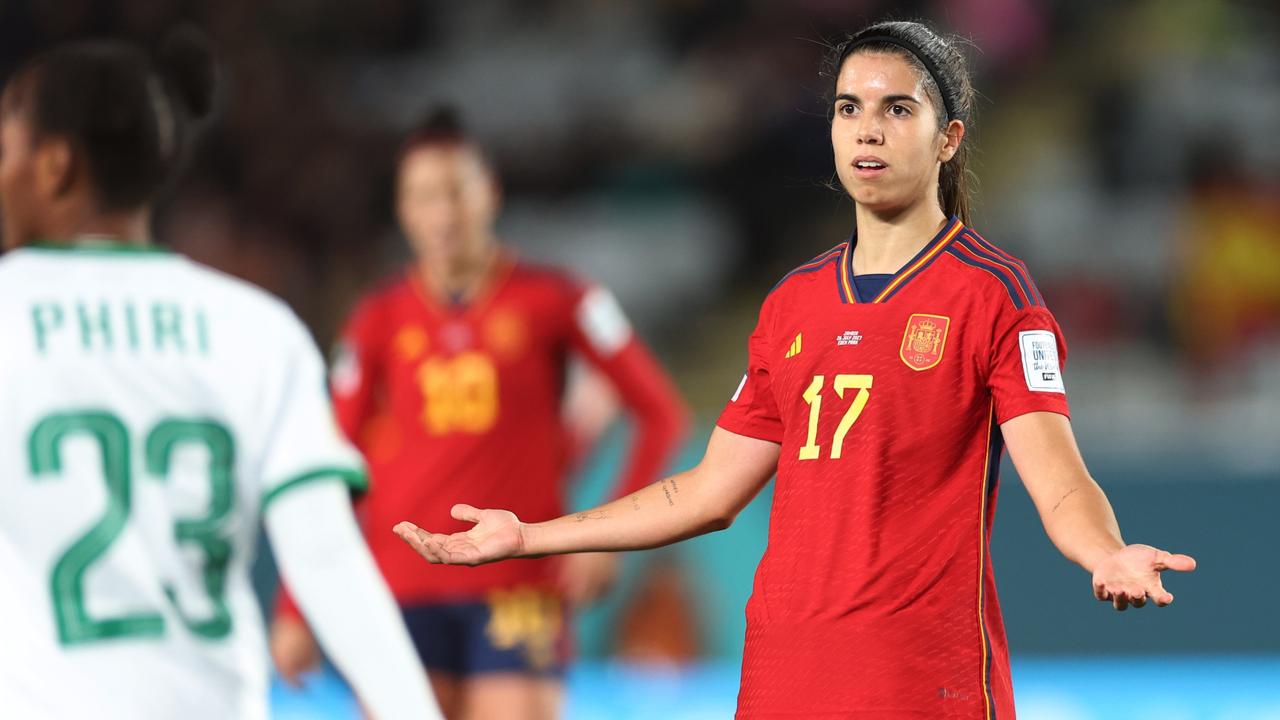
(919, 55)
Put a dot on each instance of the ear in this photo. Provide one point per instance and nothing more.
(55, 167)
(954, 135)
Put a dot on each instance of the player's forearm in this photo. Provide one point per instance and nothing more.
(333, 578)
(1082, 524)
(670, 510)
(1075, 512)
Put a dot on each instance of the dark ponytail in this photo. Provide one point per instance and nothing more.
(129, 117)
(946, 80)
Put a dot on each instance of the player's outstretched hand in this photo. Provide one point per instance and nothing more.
(497, 535)
(1132, 575)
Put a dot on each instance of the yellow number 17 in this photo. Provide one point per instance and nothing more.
(812, 396)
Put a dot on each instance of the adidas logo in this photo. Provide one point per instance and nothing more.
(795, 346)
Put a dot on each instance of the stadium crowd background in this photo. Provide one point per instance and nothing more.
(677, 150)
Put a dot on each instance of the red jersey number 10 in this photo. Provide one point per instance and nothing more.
(813, 397)
(460, 394)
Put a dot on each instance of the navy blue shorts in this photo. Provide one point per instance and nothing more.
(523, 630)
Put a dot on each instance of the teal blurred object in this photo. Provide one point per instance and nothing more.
(1084, 688)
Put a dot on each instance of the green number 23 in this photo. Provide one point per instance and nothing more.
(75, 626)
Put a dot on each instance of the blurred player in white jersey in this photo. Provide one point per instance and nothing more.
(151, 411)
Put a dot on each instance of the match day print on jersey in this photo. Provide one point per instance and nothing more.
(924, 340)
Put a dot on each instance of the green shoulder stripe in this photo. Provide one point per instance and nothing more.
(353, 478)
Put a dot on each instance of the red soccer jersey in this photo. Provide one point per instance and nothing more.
(875, 597)
(463, 404)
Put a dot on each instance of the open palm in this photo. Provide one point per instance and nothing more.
(1132, 574)
(497, 535)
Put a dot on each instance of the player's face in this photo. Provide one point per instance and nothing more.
(885, 135)
(447, 201)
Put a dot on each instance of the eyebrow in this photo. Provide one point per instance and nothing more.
(888, 99)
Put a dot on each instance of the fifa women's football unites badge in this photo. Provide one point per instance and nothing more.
(924, 340)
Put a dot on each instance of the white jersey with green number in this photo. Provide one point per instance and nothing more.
(149, 409)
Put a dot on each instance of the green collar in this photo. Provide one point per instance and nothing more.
(99, 244)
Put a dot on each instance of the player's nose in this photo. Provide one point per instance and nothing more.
(869, 131)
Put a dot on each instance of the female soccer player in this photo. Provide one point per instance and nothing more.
(884, 379)
(154, 412)
(451, 380)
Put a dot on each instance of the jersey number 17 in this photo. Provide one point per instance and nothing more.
(813, 397)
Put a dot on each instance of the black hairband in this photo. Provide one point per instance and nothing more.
(919, 55)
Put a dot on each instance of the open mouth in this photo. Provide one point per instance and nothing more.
(868, 167)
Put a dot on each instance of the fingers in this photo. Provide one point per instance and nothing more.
(420, 540)
(465, 513)
(410, 533)
(1172, 561)
(1121, 600)
(1100, 592)
(1161, 596)
(1124, 598)
(431, 546)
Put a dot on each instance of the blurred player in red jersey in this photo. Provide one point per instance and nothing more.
(885, 378)
(452, 381)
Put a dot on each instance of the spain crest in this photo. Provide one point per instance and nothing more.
(924, 340)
